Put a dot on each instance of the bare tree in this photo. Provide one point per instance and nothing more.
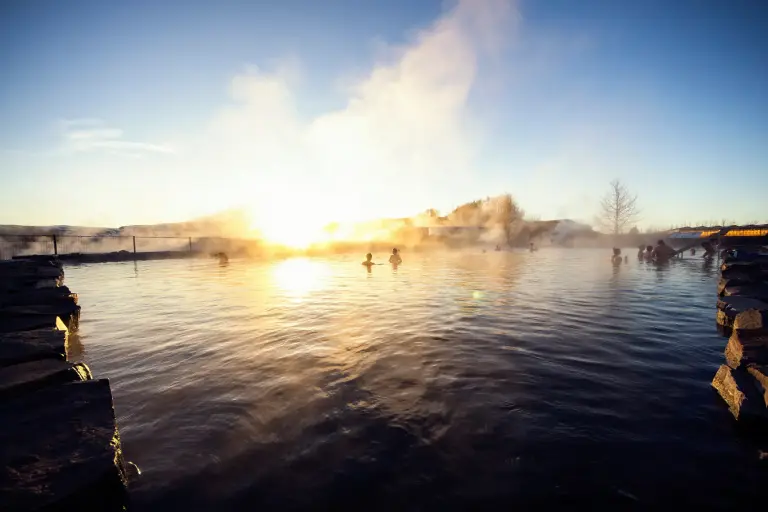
(618, 208)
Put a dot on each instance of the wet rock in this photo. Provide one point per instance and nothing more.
(751, 320)
(61, 450)
(737, 390)
(744, 349)
(20, 347)
(30, 376)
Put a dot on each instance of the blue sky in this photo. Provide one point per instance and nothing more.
(115, 113)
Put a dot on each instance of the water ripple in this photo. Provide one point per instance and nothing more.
(458, 380)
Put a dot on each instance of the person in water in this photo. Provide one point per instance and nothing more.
(368, 260)
(616, 258)
(640, 251)
(531, 247)
(395, 259)
(648, 252)
(663, 252)
(709, 250)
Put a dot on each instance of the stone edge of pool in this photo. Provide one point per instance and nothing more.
(61, 445)
(742, 316)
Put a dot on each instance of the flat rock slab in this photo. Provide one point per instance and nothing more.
(37, 296)
(20, 347)
(754, 291)
(738, 391)
(67, 310)
(743, 272)
(61, 450)
(18, 379)
(16, 323)
(737, 304)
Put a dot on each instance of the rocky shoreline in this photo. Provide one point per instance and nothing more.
(742, 315)
(60, 443)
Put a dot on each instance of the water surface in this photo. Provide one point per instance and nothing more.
(457, 380)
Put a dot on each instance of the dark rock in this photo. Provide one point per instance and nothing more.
(20, 347)
(33, 375)
(754, 291)
(66, 309)
(738, 391)
(37, 296)
(750, 273)
(61, 450)
(16, 323)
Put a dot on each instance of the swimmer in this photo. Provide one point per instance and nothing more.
(368, 263)
(663, 252)
(709, 251)
(223, 258)
(648, 252)
(640, 251)
(531, 247)
(395, 259)
(616, 258)
(626, 259)
(693, 251)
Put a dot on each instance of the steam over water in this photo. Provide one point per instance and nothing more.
(459, 380)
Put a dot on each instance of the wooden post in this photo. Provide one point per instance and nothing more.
(55, 246)
(134, 246)
(190, 244)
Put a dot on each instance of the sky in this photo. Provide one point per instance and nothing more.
(118, 113)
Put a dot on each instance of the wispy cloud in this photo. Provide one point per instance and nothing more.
(89, 134)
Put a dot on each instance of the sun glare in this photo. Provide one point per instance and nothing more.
(300, 276)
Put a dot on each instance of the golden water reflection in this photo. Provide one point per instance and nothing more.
(298, 277)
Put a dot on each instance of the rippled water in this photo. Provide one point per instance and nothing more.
(458, 380)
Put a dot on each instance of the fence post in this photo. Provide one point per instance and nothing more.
(190, 244)
(134, 247)
(55, 246)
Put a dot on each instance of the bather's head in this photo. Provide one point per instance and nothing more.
(660, 242)
(649, 248)
(394, 251)
(368, 257)
(616, 251)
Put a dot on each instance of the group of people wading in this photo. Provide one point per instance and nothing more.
(662, 252)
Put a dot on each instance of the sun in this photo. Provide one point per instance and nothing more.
(289, 229)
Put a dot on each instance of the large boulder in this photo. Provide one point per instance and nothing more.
(20, 347)
(737, 389)
(61, 450)
(728, 308)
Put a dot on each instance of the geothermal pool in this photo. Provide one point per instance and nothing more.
(457, 380)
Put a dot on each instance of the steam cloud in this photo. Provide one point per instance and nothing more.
(401, 136)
